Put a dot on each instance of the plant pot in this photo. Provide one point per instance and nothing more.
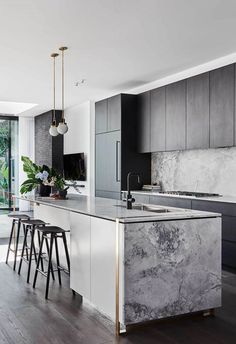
(63, 193)
(44, 190)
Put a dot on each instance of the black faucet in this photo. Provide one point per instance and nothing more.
(130, 199)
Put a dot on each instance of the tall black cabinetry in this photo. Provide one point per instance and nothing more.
(116, 146)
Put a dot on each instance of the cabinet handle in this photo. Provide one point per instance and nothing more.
(118, 161)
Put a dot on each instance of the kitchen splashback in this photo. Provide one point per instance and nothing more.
(203, 170)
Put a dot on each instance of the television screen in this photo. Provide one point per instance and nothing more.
(74, 167)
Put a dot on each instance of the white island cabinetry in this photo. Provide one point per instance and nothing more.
(93, 260)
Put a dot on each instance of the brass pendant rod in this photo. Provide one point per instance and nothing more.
(54, 55)
(62, 49)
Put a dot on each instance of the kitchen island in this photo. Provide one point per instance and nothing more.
(143, 264)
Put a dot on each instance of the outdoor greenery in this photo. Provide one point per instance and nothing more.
(39, 175)
(4, 169)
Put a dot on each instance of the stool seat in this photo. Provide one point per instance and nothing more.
(19, 216)
(33, 222)
(51, 229)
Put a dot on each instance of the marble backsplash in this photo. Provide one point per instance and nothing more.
(203, 170)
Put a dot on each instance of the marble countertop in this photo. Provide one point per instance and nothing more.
(226, 199)
(110, 209)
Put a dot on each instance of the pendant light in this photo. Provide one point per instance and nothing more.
(53, 128)
(62, 126)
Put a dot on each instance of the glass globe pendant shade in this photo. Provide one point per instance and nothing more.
(62, 127)
(53, 130)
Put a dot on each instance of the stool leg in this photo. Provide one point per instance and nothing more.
(35, 253)
(66, 251)
(26, 246)
(23, 249)
(10, 240)
(49, 265)
(17, 242)
(31, 252)
(38, 262)
(41, 259)
(47, 246)
(58, 262)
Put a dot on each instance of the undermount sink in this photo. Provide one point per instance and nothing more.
(145, 207)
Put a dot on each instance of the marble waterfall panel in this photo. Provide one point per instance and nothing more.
(204, 170)
(171, 268)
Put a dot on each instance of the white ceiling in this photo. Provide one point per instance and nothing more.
(116, 45)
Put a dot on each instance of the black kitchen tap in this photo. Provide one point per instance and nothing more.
(130, 199)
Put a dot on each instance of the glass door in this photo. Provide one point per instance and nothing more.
(8, 160)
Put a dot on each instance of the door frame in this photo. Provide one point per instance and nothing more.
(9, 118)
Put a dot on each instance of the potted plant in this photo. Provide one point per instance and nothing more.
(43, 177)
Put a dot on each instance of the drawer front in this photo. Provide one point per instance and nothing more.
(141, 198)
(108, 194)
(171, 202)
(217, 207)
(229, 228)
(229, 254)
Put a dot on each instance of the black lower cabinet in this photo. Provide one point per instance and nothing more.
(171, 202)
(229, 254)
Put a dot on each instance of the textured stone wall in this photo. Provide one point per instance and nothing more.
(48, 149)
(203, 170)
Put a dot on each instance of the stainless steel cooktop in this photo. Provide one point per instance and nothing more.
(191, 193)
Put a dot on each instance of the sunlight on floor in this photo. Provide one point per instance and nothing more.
(3, 253)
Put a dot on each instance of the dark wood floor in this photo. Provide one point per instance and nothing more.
(26, 317)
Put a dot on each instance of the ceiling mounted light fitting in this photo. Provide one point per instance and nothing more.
(53, 128)
(62, 126)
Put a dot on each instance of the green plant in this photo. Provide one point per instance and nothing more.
(4, 176)
(39, 175)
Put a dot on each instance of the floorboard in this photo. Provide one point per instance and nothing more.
(26, 317)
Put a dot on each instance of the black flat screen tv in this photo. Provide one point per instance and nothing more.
(74, 167)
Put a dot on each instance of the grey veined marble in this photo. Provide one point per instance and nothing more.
(171, 268)
(206, 170)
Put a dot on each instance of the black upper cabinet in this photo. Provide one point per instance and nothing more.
(114, 113)
(222, 107)
(198, 112)
(158, 119)
(144, 123)
(176, 115)
(101, 116)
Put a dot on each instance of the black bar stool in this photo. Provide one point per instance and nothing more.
(55, 233)
(17, 219)
(30, 226)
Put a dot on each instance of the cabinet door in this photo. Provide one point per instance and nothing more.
(198, 134)
(144, 123)
(229, 253)
(114, 113)
(108, 194)
(158, 119)
(103, 265)
(215, 207)
(108, 161)
(229, 228)
(171, 202)
(175, 115)
(101, 116)
(80, 254)
(222, 107)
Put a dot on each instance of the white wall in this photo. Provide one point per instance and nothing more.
(80, 138)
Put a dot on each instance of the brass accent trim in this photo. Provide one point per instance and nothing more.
(54, 55)
(117, 321)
